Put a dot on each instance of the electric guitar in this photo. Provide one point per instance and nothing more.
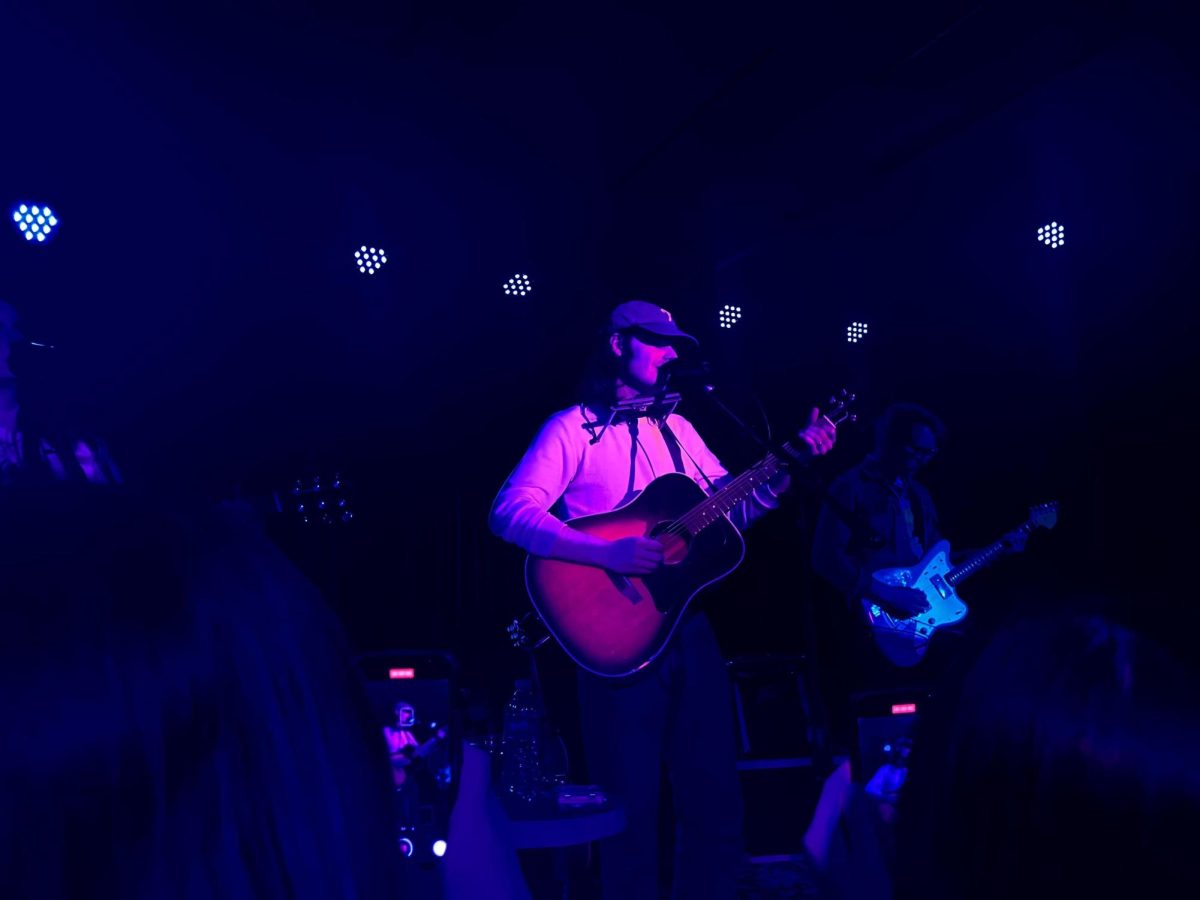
(905, 640)
(615, 625)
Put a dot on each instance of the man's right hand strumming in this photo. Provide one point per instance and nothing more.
(902, 602)
(634, 556)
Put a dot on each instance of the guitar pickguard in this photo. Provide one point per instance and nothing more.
(905, 640)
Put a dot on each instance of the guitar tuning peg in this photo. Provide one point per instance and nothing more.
(316, 483)
(300, 508)
(321, 504)
(341, 503)
(347, 515)
(337, 482)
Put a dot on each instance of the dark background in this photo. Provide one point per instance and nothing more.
(215, 166)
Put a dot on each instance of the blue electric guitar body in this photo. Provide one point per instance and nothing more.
(905, 640)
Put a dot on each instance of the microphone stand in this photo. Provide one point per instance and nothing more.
(710, 392)
(811, 683)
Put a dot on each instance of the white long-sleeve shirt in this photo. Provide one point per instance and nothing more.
(562, 475)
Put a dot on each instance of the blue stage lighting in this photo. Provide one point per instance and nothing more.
(35, 222)
(518, 285)
(729, 315)
(1051, 235)
(856, 331)
(439, 848)
(369, 260)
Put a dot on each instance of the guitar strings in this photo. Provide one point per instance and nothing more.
(695, 516)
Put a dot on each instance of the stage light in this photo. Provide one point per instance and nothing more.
(369, 260)
(518, 286)
(729, 315)
(856, 331)
(1051, 235)
(439, 848)
(35, 222)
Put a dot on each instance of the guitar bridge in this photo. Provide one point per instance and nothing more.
(626, 587)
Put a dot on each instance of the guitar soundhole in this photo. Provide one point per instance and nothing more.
(675, 546)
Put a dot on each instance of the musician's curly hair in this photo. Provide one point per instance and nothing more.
(897, 421)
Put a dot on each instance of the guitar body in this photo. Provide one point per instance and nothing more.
(904, 641)
(410, 753)
(613, 625)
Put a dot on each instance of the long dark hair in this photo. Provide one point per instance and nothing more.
(181, 717)
(597, 386)
(1065, 764)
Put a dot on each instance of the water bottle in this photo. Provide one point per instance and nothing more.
(520, 772)
(555, 763)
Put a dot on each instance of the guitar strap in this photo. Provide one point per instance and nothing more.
(634, 443)
(676, 449)
(918, 514)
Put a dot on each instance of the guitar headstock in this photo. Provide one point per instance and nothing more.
(1044, 515)
(839, 408)
(316, 500)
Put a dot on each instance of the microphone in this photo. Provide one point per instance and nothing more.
(700, 372)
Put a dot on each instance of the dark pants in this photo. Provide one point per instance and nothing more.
(678, 713)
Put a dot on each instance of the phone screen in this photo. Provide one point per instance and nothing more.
(886, 725)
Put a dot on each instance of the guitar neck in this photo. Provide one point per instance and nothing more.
(731, 495)
(727, 498)
(977, 562)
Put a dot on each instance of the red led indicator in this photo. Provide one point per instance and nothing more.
(401, 673)
(903, 709)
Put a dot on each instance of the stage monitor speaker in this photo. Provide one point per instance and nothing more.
(412, 696)
(778, 735)
(772, 704)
